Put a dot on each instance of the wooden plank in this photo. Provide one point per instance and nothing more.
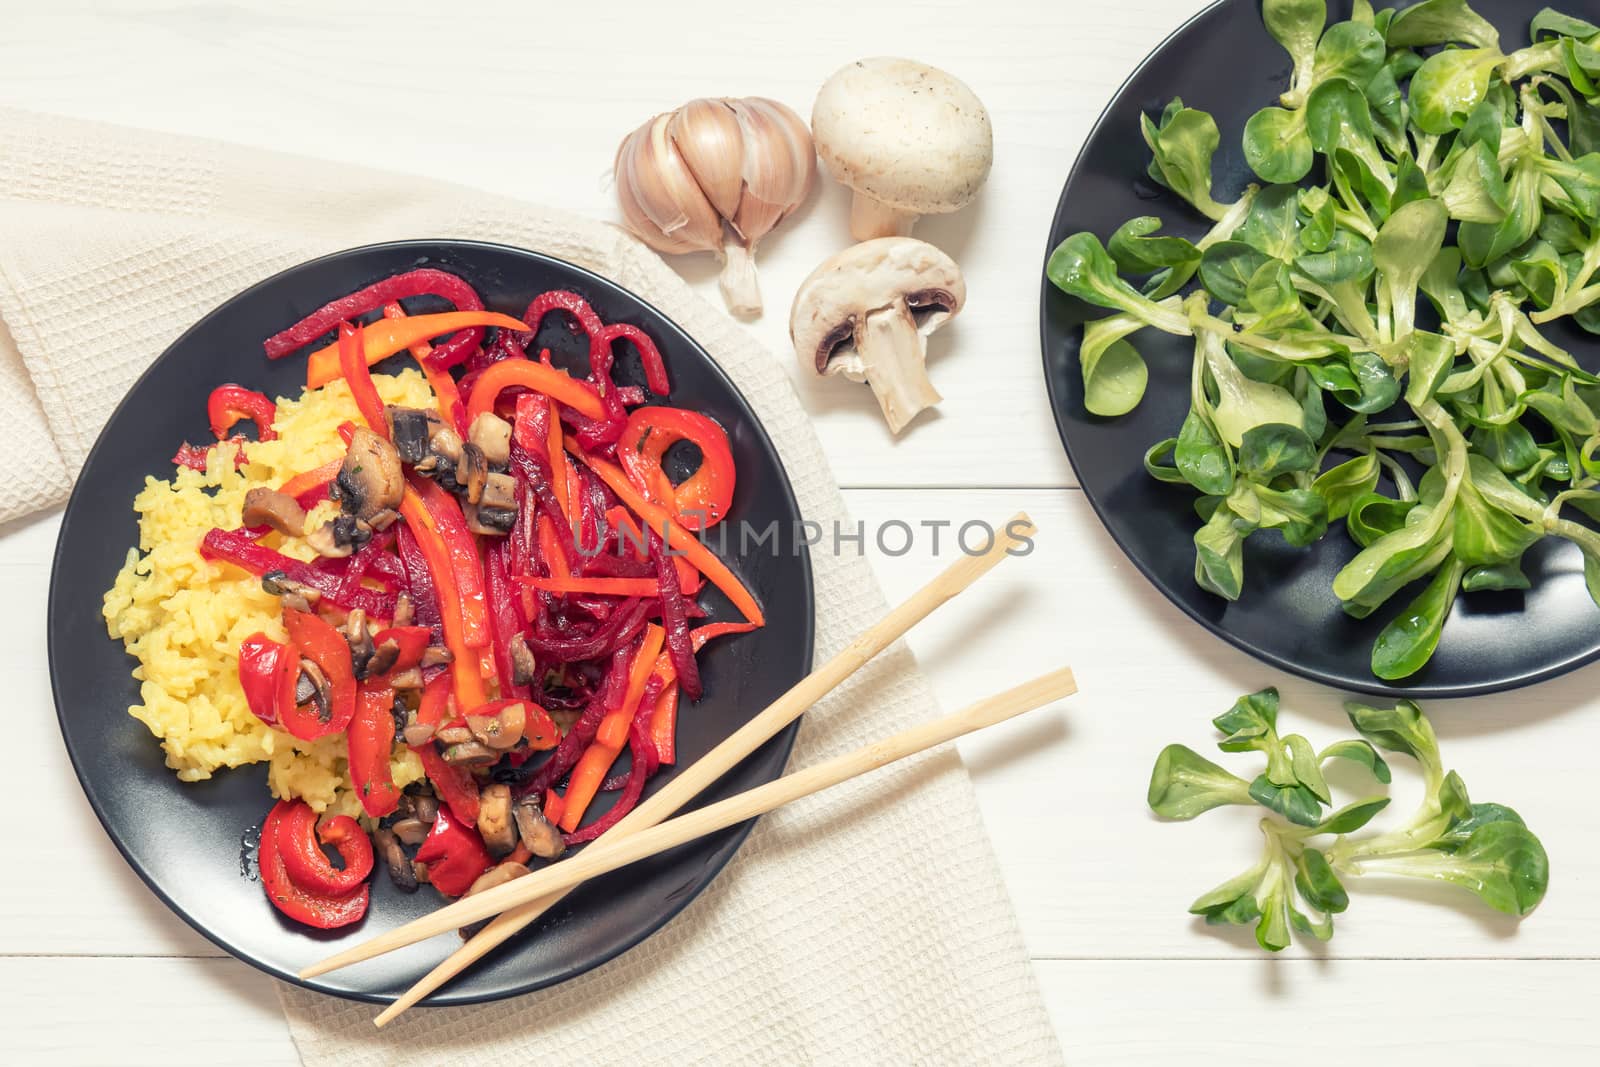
(1266, 1013)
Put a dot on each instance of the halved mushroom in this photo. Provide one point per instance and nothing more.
(495, 825)
(324, 542)
(867, 312)
(907, 138)
(492, 436)
(371, 479)
(537, 832)
(453, 735)
(268, 507)
(401, 873)
(502, 730)
(410, 831)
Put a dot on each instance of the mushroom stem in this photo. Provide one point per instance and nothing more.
(738, 280)
(870, 218)
(892, 354)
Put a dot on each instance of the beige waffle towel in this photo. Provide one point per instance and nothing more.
(893, 944)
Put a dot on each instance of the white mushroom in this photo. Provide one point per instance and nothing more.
(908, 138)
(867, 312)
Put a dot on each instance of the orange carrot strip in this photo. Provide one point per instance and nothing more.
(551, 381)
(673, 535)
(464, 672)
(558, 463)
(387, 336)
(444, 388)
(597, 759)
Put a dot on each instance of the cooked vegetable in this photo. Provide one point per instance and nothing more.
(309, 904)
(866, 313)
(715, 176)
(1483, 848)
(1455, 213)
(908, 140)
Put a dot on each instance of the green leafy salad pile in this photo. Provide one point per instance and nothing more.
(1430, 205)
(1484, 848)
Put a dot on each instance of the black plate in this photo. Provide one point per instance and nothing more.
(187, 841)
(1223, 61)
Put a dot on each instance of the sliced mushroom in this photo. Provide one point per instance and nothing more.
(470, 754)
(492, 435)
(537, 832)
(523, 665)
(502, 730)
(384, 519)
(359, 638)
(453, 735)
(410, 678)
(411, 429)
(401, 873)
(313, 687)
(405, 611)
(906, 138)
(446, 444)
(419, 870)
(371, 479)
(383, 656)
(490, 522)
(867, 312)
(410, 831)
(323, 541)
(472, 470)
(417, 733)
(497, 875)
(427, 807)
(499, 493)
(268, 507)
(437, 656)
(495, 825)
(292, 593)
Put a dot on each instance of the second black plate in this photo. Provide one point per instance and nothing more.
(1223, 61)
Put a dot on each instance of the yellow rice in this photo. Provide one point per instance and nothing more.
(183, 617)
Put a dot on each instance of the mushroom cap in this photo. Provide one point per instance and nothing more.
(903, 133)
(836, 298)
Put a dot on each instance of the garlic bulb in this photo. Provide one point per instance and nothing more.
(716, 176)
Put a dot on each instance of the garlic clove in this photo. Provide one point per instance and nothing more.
(667, 193)
(708, 136)
(633, 213)
(778, 164)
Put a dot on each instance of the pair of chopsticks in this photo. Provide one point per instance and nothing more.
(648, 829)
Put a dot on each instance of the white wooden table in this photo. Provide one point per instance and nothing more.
(535, 96)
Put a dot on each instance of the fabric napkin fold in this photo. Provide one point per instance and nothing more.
(865, 925)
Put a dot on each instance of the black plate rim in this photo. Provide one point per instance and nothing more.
(443, 998)
(1058, 405)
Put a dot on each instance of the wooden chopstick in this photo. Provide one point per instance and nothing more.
(696, 777)
(562, 876)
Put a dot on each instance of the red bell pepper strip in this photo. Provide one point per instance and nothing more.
(425, 281)
(268, 671)
(554, 383)
(454, 853)
(451, 409)
(701, 500)
(505, 618)
(370, 737)
(659, 520)
(648, 588)
(230, 403)
(462, 551)
(359, 379)
(413, 642)
(612, 735)
(236, 547)
(317, 641)
(664, 724)
(311, 487)
(464, 666)
(455, 785)
(308, 866)
(321, 910)
(434, 708)
(386, 337)
(655, 369)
